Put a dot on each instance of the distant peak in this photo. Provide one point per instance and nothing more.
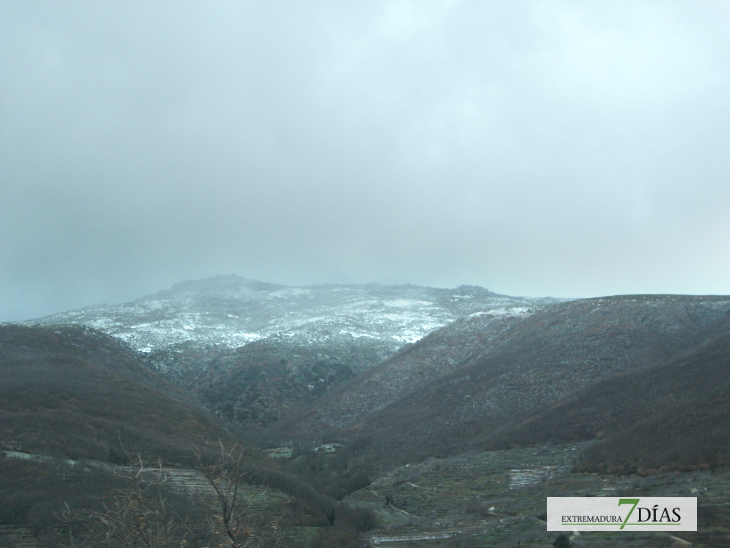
(222, 282)
(473, 290)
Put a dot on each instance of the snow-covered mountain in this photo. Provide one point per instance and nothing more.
(254, 352)
(231, 311)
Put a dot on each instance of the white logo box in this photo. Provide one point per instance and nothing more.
(622, 514)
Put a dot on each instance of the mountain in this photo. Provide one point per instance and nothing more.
(73, 392)
(230, 311)
(96, 449)
(497, 406)
(673, 414)
(539, 361)
(255, 352)
(258, 383)
(68, 395)
(434, 356)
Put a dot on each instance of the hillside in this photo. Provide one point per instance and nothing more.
(612, 385)
(415, 365)
(69, 394)
(671, 415)
(549, 356)
(72, 392)
(230, 311)
(256, 384)
(95, 449)
(254, 352)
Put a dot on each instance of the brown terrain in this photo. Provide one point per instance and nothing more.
(533, 364)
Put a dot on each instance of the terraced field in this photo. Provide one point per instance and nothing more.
(17, 537)
(498, 498)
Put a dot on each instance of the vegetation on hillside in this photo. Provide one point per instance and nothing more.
(412, 367)
(74, 393)
(257, 384)
(671, 415)
(542, 360)
(76, 405)
(642, 380)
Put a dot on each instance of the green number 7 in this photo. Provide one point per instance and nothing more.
(628, 501)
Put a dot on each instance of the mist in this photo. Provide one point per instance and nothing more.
(532, 147)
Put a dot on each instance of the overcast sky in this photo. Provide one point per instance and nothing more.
(564, 148)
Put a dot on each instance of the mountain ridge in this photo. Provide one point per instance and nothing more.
(73, 392)
(541, 360)
(413, 366)
(194, 332)
(230, 311)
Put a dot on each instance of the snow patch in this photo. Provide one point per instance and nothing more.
(504, 311)
(406, 303)
(394, 315)
(290, 292)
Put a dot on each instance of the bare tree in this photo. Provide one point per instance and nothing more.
(231, 515)
(146, 512)
(140, 514)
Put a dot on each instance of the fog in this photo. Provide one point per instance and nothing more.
(536, 148)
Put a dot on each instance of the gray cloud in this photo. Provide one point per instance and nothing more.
(536, 147)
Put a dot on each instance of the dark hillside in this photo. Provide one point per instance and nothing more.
(258, 383)
(72, 392)
(70, 395)
(663, 417)
(542, 360)
(415, 365)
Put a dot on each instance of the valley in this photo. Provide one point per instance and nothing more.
(291, 344)
(369, 415)
(497, 498)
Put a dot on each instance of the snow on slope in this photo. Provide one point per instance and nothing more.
(231, 311)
